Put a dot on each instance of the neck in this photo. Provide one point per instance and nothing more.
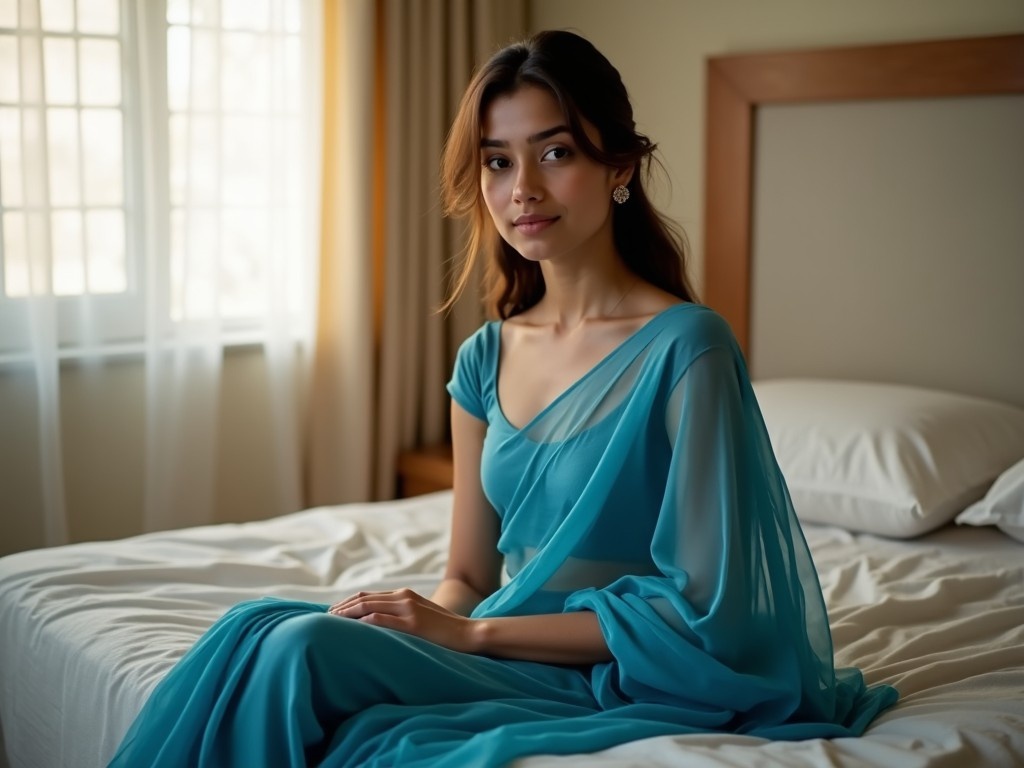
(594, 290)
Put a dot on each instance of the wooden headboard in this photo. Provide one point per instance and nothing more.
(739, 85)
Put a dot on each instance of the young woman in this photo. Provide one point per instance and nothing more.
(609, 455)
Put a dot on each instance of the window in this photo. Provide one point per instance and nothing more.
(75, 117)
(156, 161)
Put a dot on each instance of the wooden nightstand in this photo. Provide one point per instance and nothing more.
(424, 470)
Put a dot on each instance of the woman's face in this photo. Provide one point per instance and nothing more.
(546, 197)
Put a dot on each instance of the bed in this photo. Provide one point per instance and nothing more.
(915, 600)
(89, 629)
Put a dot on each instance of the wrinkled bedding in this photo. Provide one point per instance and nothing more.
(87, 630)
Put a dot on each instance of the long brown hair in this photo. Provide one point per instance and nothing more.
(586, 86)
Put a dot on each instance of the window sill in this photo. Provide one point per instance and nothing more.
(237, 342)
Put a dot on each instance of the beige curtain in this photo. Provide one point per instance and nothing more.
(395, 70)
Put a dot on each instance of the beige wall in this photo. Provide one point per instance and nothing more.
(909, 209)
(659, 47)
(102, 415)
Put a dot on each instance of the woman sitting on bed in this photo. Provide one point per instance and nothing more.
(609, 453)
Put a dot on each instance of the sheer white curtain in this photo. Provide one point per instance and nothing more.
(159, 177)
(243, 92)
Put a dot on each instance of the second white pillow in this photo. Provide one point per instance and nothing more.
(886, 459)
(1003, 505)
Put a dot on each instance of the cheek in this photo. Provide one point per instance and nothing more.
(490, 188)
(588, 191)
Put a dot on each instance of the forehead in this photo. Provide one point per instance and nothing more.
(522, 112)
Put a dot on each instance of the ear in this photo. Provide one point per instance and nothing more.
(621, 176)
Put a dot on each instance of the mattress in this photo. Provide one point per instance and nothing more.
(87, 631)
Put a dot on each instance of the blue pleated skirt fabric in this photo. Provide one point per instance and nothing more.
(283, 683)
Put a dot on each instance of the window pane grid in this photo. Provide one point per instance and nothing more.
(196, 169)
(63, 83)
(248, 115)
(72, 149)
(104, 60)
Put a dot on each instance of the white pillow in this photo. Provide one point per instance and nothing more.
(1003, 505)
(886, 459)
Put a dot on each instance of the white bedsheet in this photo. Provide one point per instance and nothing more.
(87, 630)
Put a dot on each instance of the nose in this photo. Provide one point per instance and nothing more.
(528, 186)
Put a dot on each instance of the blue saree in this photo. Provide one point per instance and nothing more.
(647, 493)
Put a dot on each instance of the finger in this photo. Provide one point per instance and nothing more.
(356, 598)
(366, 607)
(405, 594)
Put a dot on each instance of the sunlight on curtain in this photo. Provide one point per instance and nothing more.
(340, 443)
(159, 173)
(383, 355)
(243, 119)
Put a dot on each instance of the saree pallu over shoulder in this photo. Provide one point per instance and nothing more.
(710, 602)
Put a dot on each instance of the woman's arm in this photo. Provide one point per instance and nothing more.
(474, 563)
(559, 638)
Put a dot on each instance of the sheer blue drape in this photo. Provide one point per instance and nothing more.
(647, 493)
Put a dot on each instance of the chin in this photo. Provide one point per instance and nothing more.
(531, 251)
(536, 255)
(537, 249)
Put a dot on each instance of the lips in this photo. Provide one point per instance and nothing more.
(533, 223)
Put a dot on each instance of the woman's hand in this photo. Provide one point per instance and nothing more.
(560, 638)
(411, 613)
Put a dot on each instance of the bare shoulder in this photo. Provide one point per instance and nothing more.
(651, 299)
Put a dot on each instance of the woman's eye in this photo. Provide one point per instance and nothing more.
(556, 153)
(497, 163)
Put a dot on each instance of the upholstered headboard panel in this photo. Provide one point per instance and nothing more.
(865, 212)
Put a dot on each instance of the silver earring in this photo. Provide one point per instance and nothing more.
(620, 194)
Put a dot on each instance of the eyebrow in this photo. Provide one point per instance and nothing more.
(532, 139)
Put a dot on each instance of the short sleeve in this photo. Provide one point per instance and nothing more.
(467, 385)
